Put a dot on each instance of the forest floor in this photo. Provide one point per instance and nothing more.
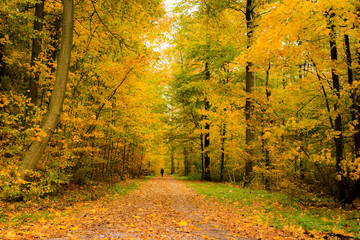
(161, 208)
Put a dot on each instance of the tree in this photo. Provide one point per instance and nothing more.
(36, 50)
(37, 148)
(250, 85)
(338, 138)
(2, 63)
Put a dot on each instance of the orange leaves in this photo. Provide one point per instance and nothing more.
(161, 207)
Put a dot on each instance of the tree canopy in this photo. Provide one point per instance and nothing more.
(264, 93)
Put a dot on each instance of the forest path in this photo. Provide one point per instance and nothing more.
(162, 208)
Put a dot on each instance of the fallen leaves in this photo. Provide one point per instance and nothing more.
(183, 223)
(161, 208)
(192, 227)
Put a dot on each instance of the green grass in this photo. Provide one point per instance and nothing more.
(123, 189)
(279, 209)
(31, 217)
(15, 217)
(191, 176)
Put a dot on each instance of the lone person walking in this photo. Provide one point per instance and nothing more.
(162, 172)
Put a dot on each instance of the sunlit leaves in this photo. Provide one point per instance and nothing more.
(113, 83)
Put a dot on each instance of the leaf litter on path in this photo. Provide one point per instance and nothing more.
(162, 208)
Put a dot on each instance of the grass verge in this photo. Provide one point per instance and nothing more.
(21, 213)
(310, 214)
(191, 177)
(123, 189)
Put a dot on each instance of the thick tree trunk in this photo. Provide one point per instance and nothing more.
(250, 85)
(339, 143)
(35, 51)
(37, 148)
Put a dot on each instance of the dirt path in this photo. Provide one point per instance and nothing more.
(162, 208)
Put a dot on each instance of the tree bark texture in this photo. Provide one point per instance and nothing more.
(202, 154)
(2, 63)
(207, 175)
(37, 148)
(355, 110)
(222, 161)
(186, 162)
(35, 51)
(250, 85)
(338, 139)
(265, 141)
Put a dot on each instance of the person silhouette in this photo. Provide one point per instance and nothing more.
(162, 172)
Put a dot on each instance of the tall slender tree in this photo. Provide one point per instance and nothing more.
(36, 50)
(338, 138)
(37, 148)
(250, 87)
(207, 173)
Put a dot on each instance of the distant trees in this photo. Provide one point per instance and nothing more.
(113, 80)
(299, 123)
(261, 92)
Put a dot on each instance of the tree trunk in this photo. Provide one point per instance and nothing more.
(131, 160)
(355, 107)
(250, 85)
(265, 142)
(55, 33)
(37, 148)
(2, 63)
(172, 159)
(186, 162)
(339, 144)
(202, 153)
(223, 133)
(123, 162)
(355, 110)
(141, 161)
(301, 160)
(35, 51)
(207, 175)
